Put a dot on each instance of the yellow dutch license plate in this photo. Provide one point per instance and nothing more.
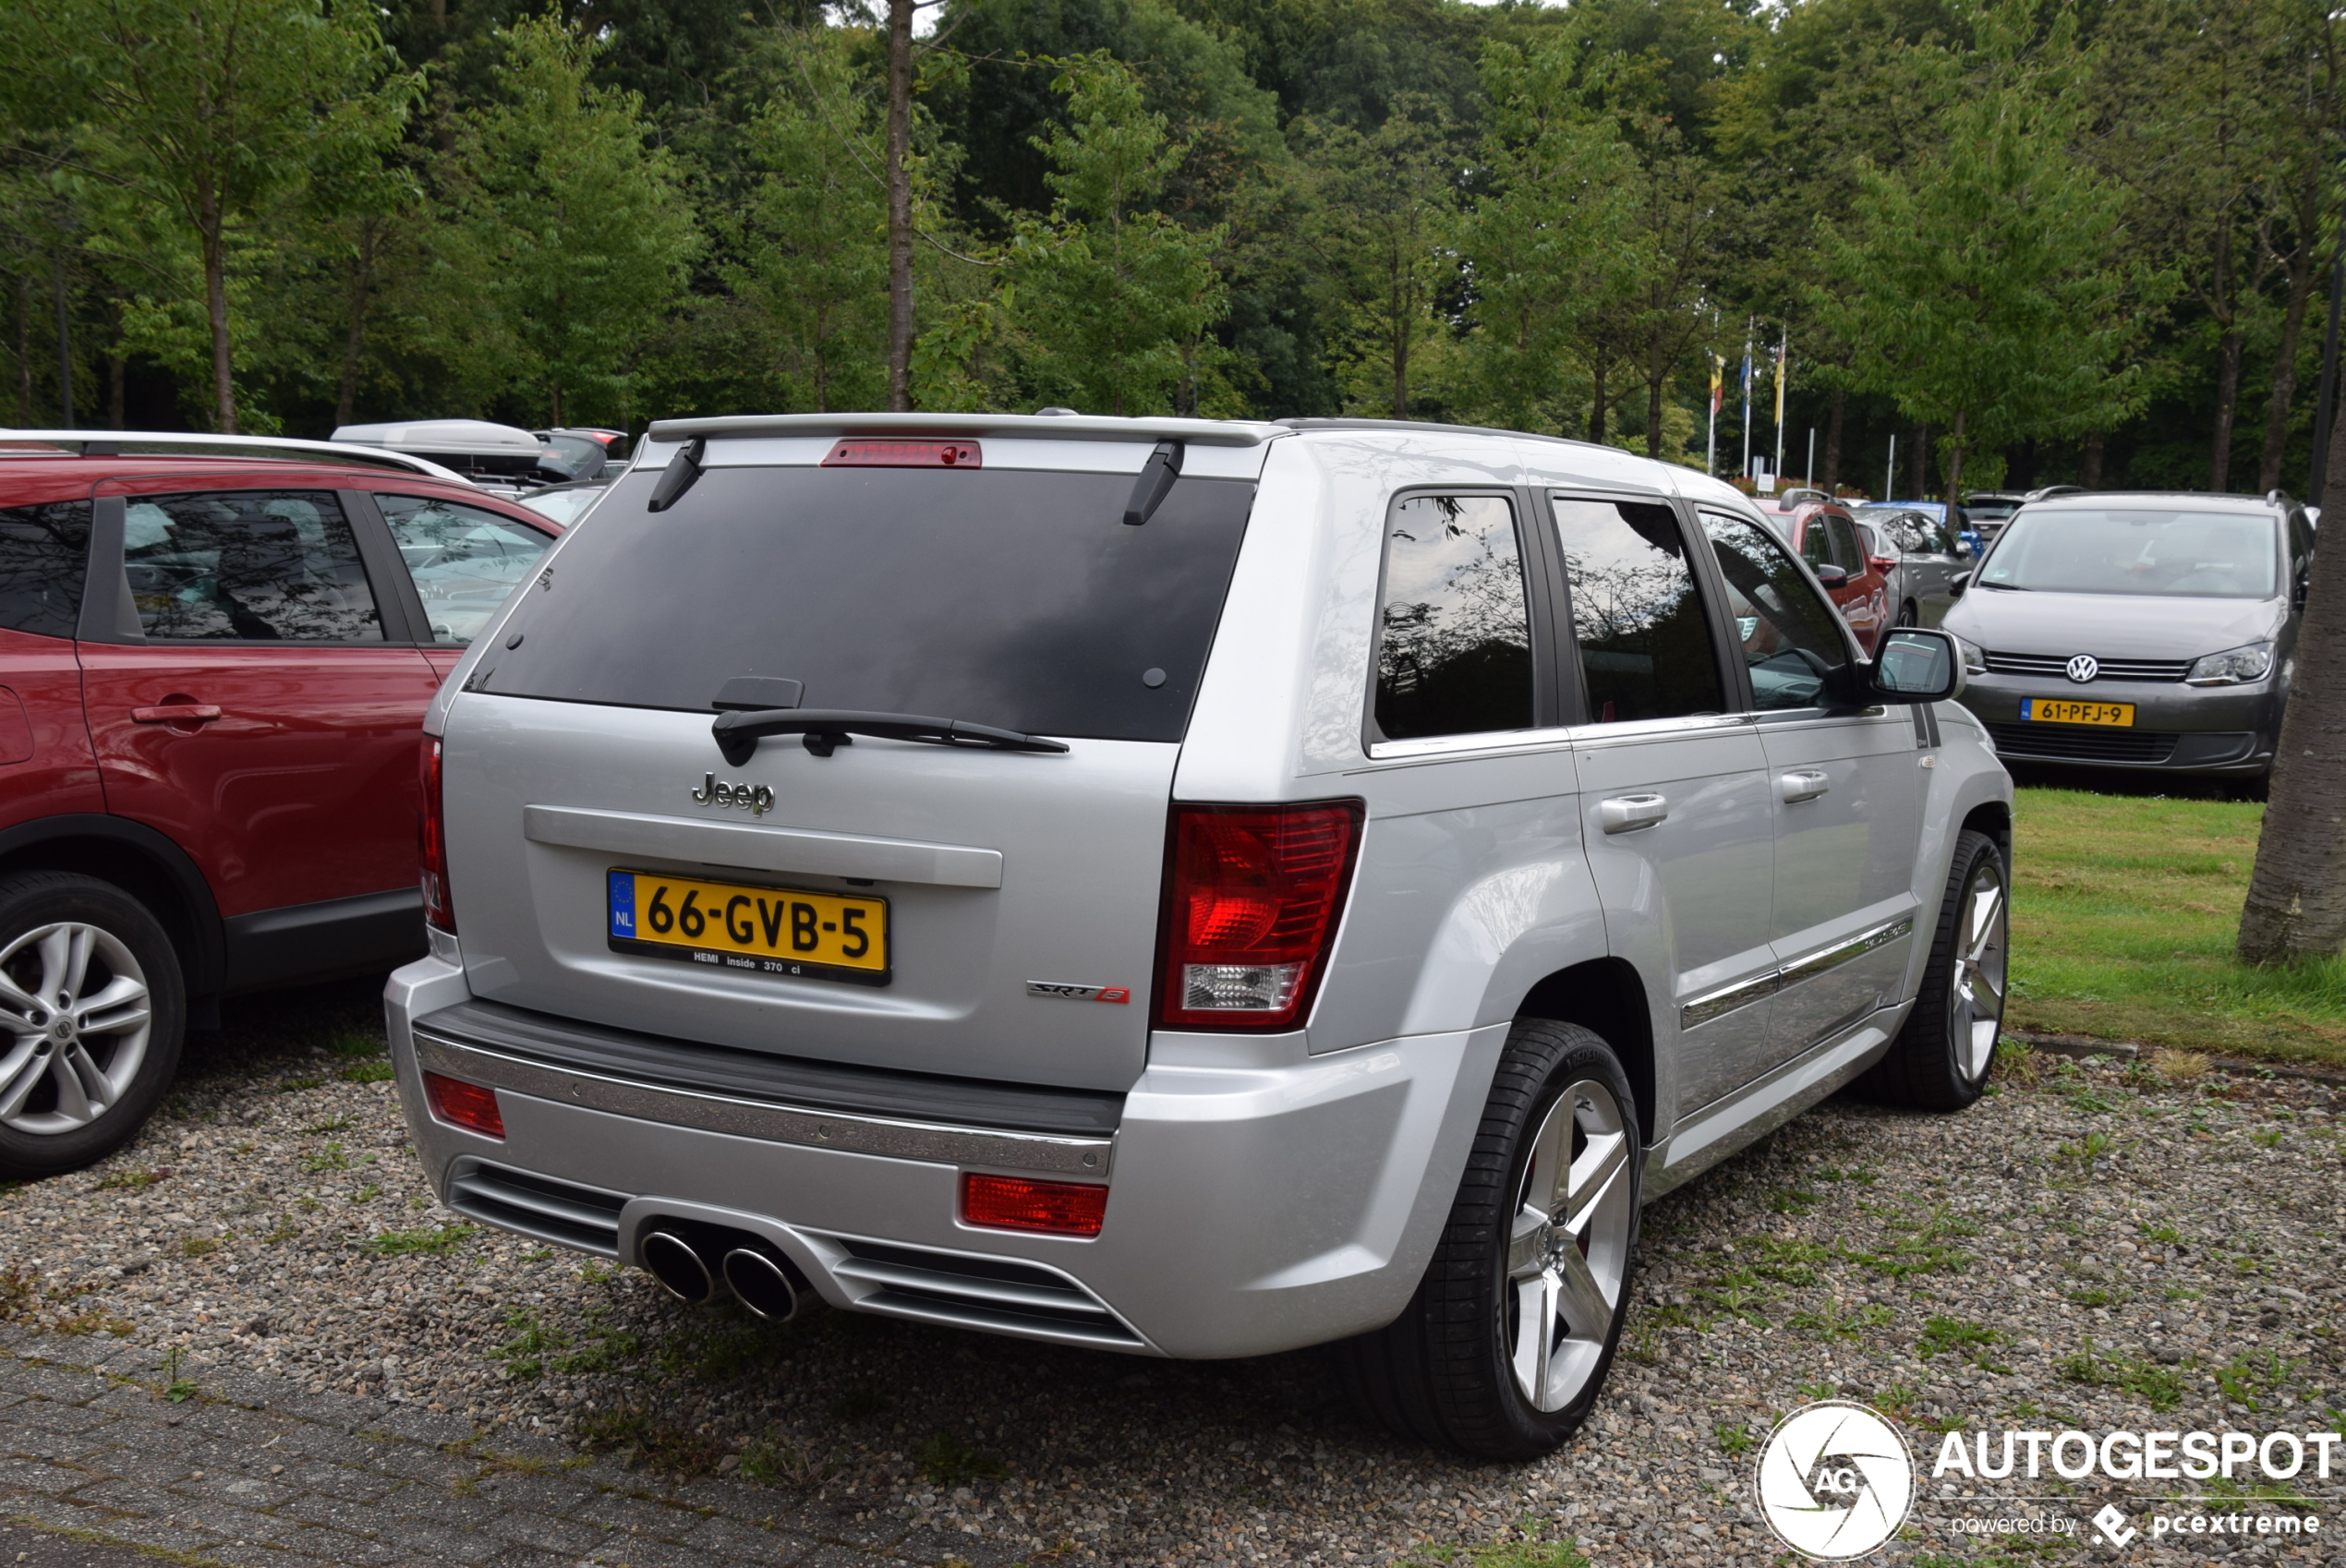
(2057, 710)
(753, 929)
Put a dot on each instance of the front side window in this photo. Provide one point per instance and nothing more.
(2163, 551)
(1454, 649)
(1791, 638)
(466, 561)
(44, 551)
(1645, 646)
(260, 566)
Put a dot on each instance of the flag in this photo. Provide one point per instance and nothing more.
(1717, 392)
(1781, 346)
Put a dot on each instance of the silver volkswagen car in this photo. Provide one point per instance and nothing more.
(1181, 888)
(2138, 631)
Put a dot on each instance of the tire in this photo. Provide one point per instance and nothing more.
(1454, 1368)
(1908, 615)
(1941, 1058)
(78, 1081)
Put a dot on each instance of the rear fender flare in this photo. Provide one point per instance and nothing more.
(120, 850)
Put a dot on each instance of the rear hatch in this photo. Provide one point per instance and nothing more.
(946, 908)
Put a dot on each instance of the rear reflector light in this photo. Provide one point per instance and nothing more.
(906, 454)
(431, 838)
(466, 1105)
(1253, 898)
(1061, 1208)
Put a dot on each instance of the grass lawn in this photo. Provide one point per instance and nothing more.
(2123, 914)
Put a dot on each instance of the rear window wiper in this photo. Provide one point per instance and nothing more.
(827, 728)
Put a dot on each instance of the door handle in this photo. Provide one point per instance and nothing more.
(175, 713)
(1806, 785)
(1627, 814)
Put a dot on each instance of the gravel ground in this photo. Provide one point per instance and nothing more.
(2099, 1245)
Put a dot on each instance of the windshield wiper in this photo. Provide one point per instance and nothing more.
(825, 728)
(2008, 588)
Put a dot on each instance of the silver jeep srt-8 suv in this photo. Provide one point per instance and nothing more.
(1181, 887)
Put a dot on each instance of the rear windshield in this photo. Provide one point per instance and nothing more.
(1002, 597)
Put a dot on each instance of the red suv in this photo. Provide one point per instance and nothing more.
(1829, 539)
(213, 672)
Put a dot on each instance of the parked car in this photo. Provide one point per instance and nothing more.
(215, 668)
(565, 503)
(502, 458)
(1344, 869)
(1925, 560)
(1990, 510)
(1958, 521)
(1825, 535)
(2139, 631)
(588, 453)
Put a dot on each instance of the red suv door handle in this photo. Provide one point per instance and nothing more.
(175, 713)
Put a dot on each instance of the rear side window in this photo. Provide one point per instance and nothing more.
(45, 551)
(1816, 544)
(1845, 553)
(1000, 596)
(1454, 643)
(253, 566)
(1645, 646)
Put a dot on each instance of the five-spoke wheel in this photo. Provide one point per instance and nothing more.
(1947, 1046)
(1568, 1255)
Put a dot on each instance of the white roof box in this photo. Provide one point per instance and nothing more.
(469, 438)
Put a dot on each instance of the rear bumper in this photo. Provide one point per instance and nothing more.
(1260, 1199)
(2177, 728)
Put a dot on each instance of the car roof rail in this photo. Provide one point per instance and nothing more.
(164, 443)
(2280, 498)
(973, 427)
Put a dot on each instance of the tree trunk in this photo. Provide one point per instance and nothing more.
(1401, 325)
(1596, 407)
(1918, 465)
(24, 352)
(2292, 322)
(1833, 420)
(2296, 905)
(2089, 469)
(354, 340)
(1653, 416)
(215, 299)
(1954, 465)
(899, 206)
(2219, 454)
(65, 338)
(118, 376)
(2020, 466)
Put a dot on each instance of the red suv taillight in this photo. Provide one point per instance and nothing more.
(431, 838)
(1057, 1208)
(1252, 898)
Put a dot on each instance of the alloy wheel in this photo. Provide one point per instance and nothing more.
(76, 1014)
(1977, 998)
(1568, 1246)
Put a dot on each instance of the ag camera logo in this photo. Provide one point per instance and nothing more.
(1835, 1480)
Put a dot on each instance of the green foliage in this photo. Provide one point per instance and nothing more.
(422, 1243)
(949, 1462)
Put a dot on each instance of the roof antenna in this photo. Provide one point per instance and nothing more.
(681, 472)
(1156, 483)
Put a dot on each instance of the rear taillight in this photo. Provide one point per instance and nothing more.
(466, 1105)
(431, 838)
(1059, 1208)
(1252, 896)
(906, 454)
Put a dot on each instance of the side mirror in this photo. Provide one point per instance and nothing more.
(1957, 583)
(1916, 665)
(1831, 576)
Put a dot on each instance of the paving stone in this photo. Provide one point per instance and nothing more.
(46, 1480)
(22, 1546)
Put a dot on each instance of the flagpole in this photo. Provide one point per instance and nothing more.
(1746, 397)
(1783, 351)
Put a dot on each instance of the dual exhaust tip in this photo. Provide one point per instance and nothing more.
(699, 1264)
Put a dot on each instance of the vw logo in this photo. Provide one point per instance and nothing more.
(1835, 1480)
(2083, 668)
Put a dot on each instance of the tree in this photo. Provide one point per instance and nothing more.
(1114, 300)
(215, 112)
(1978, 283)
(1379, 229)
(2296, 906)
(812, 244)
(1546, 244)
(566, 236)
